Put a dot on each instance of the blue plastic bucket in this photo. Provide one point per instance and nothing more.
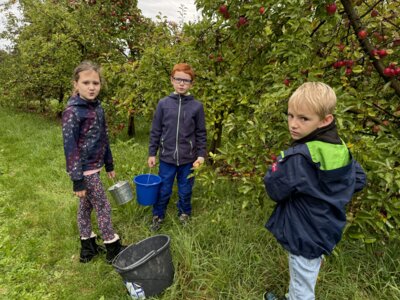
(147, 186)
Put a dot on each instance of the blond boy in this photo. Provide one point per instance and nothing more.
(311, 183)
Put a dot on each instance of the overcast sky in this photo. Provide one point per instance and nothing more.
(150, 8)
(169, 8)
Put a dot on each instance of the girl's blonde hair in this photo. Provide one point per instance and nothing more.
(86, 65)
(317, 96)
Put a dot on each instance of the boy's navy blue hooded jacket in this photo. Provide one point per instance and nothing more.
(86, 144)
(311, 183)
(178, 130)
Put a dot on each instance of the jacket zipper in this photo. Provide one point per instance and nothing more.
(177, 132)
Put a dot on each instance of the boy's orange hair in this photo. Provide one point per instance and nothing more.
(185, 68)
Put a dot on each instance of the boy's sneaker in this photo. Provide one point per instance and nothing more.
(184, 219)
(156, 223)
(272, 296)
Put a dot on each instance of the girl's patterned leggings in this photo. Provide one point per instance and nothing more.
(95, 198)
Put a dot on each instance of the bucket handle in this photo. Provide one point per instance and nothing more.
(148, 177)
(146, 257)
(140, 261)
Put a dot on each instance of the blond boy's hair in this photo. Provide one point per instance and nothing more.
(317, 96)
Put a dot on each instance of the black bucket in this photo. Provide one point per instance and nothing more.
(147, 264)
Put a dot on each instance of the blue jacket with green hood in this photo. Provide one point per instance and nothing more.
(311, 183)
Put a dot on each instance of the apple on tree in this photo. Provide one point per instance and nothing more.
(362, 34)
(374, 13)
(341, 47)
(242, 21)
(331, 8)
(382, 53)
(286, 81)
(223, 9)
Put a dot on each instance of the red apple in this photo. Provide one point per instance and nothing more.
(335, 65)
(262, 10)
(286, 82)
(211, 56)
(341, 47)
(374, 13)
(389, 72)
(242, 21)
(376, 129)
(362, 34)
(374, 52)
(382, 53)
(348, 71)
(223, 9)
(331, 8)
(397, 71)
(220, 58)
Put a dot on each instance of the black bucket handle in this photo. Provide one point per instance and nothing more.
(145, 258)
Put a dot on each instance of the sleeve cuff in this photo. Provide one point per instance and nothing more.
(79, 185)
(109, 167)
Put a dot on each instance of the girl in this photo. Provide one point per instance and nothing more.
(87, 149)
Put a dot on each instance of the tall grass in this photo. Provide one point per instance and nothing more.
(224, 253)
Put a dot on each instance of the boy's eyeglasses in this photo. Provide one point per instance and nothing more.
(181, 80)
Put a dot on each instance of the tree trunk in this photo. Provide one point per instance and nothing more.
(131, 126)
(60, 100)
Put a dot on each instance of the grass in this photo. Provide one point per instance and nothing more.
(224, 253)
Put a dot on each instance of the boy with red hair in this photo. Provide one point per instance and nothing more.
(178, 133)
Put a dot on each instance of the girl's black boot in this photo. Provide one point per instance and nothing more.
(113, 249)
(87, 251)
(99, 249)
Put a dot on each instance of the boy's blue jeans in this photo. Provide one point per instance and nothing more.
(168, 172)
(303, 277)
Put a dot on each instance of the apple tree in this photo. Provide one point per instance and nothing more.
(56, 35)
(254, 54)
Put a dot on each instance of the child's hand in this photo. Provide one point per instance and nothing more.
(151, 161)
(111, 174)
(199, 161)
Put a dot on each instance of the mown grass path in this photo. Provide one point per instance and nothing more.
(224, 253)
